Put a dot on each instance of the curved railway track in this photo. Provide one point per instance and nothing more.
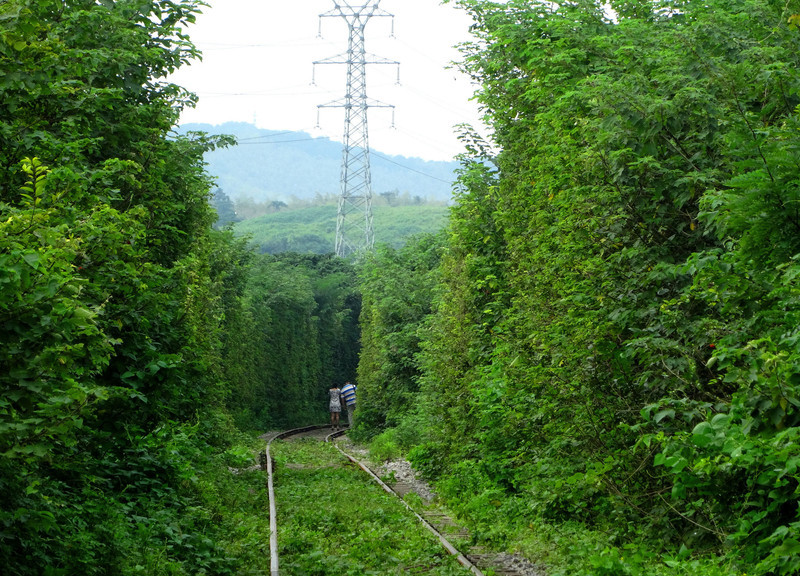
(500, 564)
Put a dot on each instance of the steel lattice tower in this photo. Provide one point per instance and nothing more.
(354, 232)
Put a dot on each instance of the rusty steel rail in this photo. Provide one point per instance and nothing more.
(273, 526)
(463, 560)
(273, 515)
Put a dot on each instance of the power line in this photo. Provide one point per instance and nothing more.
(275, 135)
(280, 141)
(410, 169)
(299, 42)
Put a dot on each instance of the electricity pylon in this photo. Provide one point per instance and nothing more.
(354, 232)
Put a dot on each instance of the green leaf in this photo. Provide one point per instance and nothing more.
(668, 413)
(83, 313)
(32, 259)
(719, 421)
(789, 548)
(703, 434)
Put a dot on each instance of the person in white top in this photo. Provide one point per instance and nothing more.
(335, 406)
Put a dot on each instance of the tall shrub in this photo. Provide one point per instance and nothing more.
(617, 327)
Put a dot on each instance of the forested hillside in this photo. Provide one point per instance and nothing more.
(313, 229)
(607, 374)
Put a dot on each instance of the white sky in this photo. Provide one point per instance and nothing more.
(257, 65)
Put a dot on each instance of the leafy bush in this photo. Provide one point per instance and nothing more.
(113, 297)
(384, 447)
(239, 457)
(428, 459)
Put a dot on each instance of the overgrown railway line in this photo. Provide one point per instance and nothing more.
(475, 560)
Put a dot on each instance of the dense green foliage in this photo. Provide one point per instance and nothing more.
(603, 348)
(615, 342)
(225, 209)
(313, 229)
(109, 305)
(298, 336)
(123, 311)
(397, 287)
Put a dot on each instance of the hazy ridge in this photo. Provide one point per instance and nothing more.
(281, 165)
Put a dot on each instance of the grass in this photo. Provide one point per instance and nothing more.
(332, 519)
(238, 505)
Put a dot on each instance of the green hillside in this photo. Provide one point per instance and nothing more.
(313, 229)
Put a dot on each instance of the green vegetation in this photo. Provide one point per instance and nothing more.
(333, 519)
(597, 361)
(297, 334)
(608, 377)
(398, 288)
(313, 228)
(133, 334)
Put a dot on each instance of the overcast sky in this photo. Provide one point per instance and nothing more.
(257, 66)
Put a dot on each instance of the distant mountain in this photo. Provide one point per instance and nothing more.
(270, 165)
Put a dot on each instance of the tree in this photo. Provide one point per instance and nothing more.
(226, 211)
(618, 299)
(297, 335)
(110, 306)
(397, 294)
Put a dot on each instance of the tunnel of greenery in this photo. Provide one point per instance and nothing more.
(596, 363)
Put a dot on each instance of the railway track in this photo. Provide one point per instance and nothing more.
(475, 559)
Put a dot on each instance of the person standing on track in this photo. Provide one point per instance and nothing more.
(349, 397)
(335, 406)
